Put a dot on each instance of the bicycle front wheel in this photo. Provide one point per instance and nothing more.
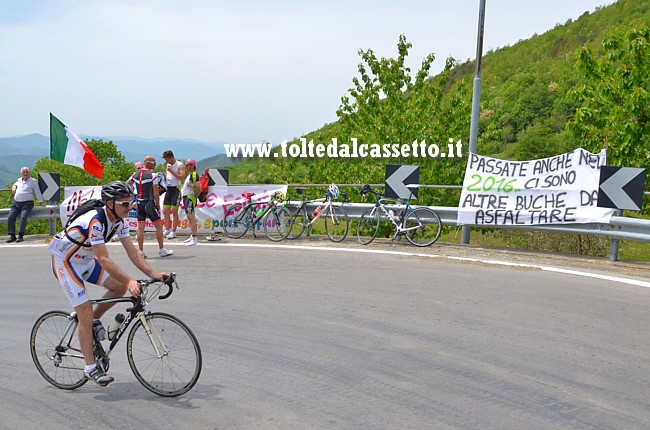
(164, 356)
(54, 345)
(336, 224)
(423, 227)
(299, 223)
(368, 226)
(277, 223)
(236, 223)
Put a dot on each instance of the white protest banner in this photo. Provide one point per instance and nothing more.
(557, 190)
(209, 215)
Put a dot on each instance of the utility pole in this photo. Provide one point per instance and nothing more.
(476, 101)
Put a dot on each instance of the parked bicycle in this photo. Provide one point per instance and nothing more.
(275, 217)
(162, 351)
(334, 217)
(420, 225)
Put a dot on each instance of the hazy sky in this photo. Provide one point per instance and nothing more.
(234, 71)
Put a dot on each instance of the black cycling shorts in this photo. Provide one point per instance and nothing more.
(172, 197)
(147, 209)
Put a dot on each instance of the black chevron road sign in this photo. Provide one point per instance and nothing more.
(398, 176)
(49, 184)
(218, 177)
(621, 187)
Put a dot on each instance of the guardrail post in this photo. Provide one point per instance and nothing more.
(52, 220)
(614, 244)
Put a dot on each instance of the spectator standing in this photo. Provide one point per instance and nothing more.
(24, 191)
(174, 175)
(148, 206)
(191, 189)
(136, 166)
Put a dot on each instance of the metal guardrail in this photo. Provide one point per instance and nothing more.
(620, 228)
(49, 212)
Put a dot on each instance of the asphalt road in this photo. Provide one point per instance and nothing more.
(316, 339)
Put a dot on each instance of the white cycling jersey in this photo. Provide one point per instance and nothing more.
(87, 229)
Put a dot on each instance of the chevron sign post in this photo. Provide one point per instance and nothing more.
(398, 176)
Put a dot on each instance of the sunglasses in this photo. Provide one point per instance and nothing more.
(123, 204)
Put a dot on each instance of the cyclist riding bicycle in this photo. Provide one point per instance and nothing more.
(79, 254)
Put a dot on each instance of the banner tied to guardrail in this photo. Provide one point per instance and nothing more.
(557, 190)
(209, 215)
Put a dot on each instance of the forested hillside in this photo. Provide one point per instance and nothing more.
(542, 96)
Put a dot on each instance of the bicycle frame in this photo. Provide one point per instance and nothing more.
(329, 204)
(400, 229)
(257, 217)
(138, 310)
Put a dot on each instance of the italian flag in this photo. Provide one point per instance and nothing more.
(67, 148)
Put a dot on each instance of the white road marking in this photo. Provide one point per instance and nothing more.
(619, 279)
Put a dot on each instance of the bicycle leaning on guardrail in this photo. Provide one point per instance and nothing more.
(421, 225)
(276, 218)
(163, 353)
(334, 217)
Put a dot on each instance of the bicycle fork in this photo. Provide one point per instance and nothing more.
(154, 337)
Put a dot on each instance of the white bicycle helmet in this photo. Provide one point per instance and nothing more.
(333, 191)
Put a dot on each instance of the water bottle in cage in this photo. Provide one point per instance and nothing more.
(317, 211)
(115, 325)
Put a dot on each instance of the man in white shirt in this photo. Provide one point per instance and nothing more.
(24, 191)
(175, 175)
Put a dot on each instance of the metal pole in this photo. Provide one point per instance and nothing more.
(476, 100)
(614, 244)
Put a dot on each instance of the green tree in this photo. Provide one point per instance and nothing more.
(614, 100)
(387, 105)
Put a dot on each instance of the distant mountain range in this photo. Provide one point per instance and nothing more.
(25, 150)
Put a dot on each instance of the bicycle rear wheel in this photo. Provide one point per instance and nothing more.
(168, 360)
(425, 226)
(236, 223)
(299, 223)
(54, 345)
(336, 223)
(277, 223)
(368, 226)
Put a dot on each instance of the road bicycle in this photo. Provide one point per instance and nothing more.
(420, 225)
(334, 218)
(162, 351)
(275, 217)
